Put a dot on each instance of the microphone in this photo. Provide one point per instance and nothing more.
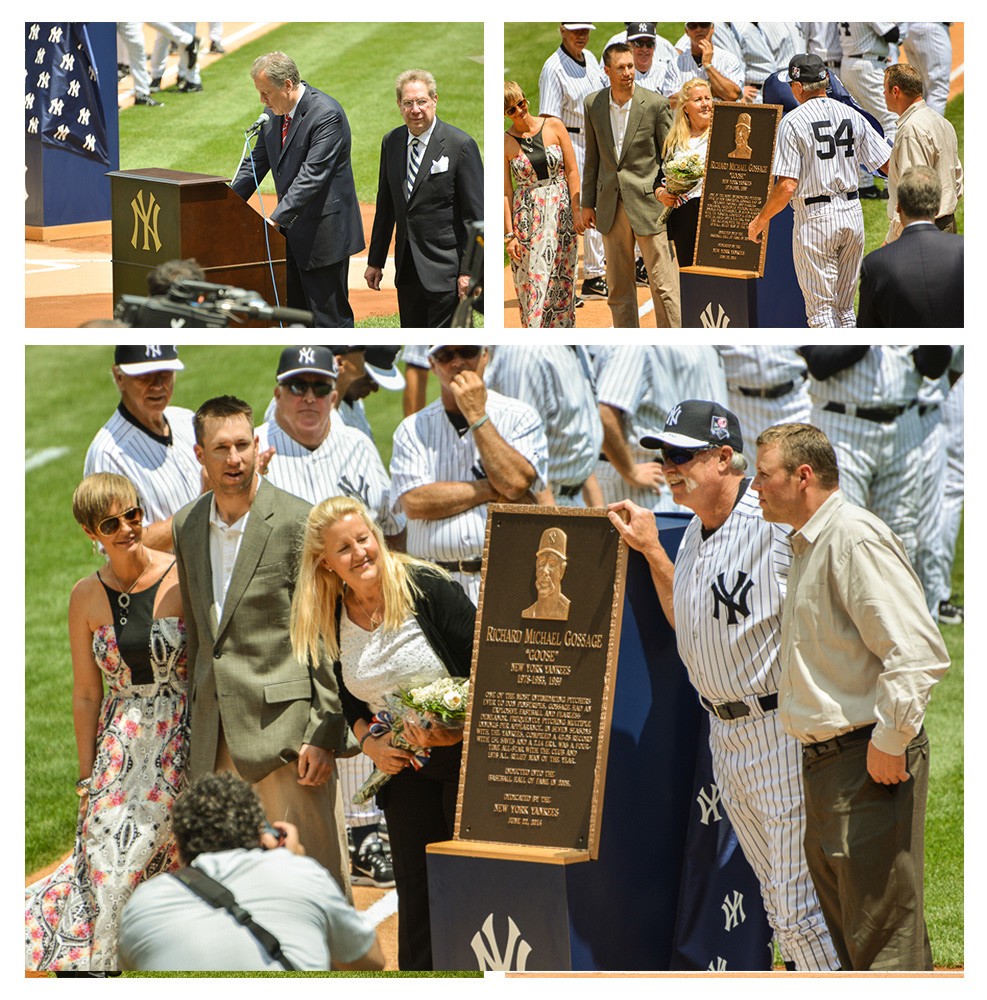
(262, 120)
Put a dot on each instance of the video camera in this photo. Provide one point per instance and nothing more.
(202, 304)
(473, 266)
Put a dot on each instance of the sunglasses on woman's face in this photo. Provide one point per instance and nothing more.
(111, 525)
(521, 105)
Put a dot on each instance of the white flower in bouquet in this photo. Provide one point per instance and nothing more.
(683, 171)
(444, 699)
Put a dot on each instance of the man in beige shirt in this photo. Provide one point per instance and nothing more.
(923, 138)
(860, 655)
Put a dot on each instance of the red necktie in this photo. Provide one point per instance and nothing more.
(284, 128)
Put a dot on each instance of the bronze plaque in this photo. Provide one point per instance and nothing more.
(736, 185)
(544, 660)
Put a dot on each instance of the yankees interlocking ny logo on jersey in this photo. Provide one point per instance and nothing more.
(733, 600)
(360, 492)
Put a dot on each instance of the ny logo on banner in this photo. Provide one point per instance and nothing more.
(721, 320)
(710, 805)
(149, 217)
(733, 600)
(733, 910)
(489, 957)
(717, 965)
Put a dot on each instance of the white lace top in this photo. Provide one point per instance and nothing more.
(375, 664)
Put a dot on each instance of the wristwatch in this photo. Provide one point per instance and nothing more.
(82, 786)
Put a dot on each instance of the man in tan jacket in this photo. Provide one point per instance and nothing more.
(625, 131)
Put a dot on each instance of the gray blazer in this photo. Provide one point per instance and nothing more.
(241, 668)
(635, 175)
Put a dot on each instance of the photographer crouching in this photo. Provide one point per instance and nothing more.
(247, 899)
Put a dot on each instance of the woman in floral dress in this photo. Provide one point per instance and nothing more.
(125, 625)
(541, 213)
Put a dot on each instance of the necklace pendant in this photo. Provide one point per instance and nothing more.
(124, 601)
(123, 620)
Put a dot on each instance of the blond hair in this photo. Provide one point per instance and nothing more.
(318, 590)
(94, 496)
(803, 444)
(680, 133)
(512, 94)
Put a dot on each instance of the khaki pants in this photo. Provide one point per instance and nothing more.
(317, 811)
(663, 274)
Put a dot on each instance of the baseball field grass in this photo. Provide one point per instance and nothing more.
(60, 422)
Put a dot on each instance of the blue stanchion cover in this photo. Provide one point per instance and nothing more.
(61, 99)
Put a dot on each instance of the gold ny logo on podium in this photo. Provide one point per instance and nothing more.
(149, 217)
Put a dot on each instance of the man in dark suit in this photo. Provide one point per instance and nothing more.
(254, 708)
(306, 145)
(918, 279)
(625, 130)
(431, 185)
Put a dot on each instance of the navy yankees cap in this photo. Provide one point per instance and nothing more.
(317, 360)
(139, 359)
(806, 68)
(640, 29)
(379, 362)
(697, 423)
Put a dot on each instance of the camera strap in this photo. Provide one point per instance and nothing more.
(216, 894)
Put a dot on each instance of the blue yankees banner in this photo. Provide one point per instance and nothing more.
(61, 100)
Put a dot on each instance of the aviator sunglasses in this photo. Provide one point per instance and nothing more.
(111, 525)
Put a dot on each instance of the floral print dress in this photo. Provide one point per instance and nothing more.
(124, 836)
(545, 277)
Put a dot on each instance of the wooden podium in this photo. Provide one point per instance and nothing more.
(160, 215)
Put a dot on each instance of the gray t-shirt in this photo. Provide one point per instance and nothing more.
(166, 927)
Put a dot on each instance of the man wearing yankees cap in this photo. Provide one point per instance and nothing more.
(147, 440)
(723, 596)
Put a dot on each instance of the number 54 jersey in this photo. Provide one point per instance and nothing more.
(822, 144)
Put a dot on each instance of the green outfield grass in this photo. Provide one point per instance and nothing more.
(57, 554)
(354, 62)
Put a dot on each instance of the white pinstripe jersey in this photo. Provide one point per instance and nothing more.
(345, 464)
(355, 415)
(884, 376)
(759, 367)
(784, 39)
(428, 449)
(723, 37)
(564, 84)
(863, 38)
(756, 54)
(822, 38)
(415, 354)
(727, 592)
(822, 143)
(551, 380)
(684, 68)
(665, 52)
(167, 476)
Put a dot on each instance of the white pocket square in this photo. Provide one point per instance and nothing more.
(440, 166)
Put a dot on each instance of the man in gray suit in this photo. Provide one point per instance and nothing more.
(253, 708)
(626, 127)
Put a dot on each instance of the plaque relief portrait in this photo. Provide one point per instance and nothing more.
(741, 133)
(550, 564)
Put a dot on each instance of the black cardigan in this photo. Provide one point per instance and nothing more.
(447, 619)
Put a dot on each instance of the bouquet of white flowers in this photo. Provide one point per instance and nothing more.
(682, 173)
(441, 703)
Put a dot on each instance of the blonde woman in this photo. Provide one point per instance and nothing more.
(388, 621)
(541, 213)
(688, 136)
(125, 631)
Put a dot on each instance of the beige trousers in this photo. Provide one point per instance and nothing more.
(317, 811)
(663, 274)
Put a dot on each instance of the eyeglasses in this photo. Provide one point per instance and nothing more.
(421, 102)
(111, 525)
(643, 43)
(447, 354)
(680, 456)
(692, 25)
(521, 105)
(320, 389)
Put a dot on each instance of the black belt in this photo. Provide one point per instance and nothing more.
(843, 740)
(819, 199)
(462, 565)
(834, 63)
(574, 131)
(773, 391)
(738, 709)
(879, 414)
(570, 491)
(944, 220)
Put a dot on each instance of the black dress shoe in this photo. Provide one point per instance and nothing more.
(147, 101)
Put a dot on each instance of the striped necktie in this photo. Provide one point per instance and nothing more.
(284, 128)
(414, 161)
